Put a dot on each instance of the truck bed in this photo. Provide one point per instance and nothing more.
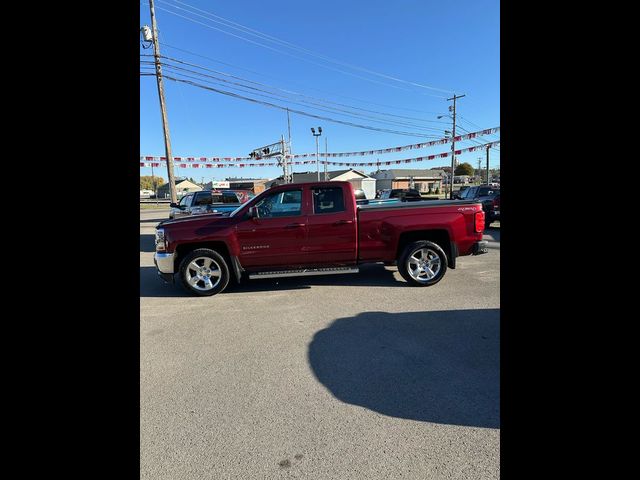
(381, 226)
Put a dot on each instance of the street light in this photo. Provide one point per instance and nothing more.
(313, 131)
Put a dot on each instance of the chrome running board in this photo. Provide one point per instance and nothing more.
(304, 272)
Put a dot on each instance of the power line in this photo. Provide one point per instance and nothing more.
(475, 125)
(285, 98)
(300, 112)
(262, 74)
(476, 141)
(267, 37)
(298, 103)
(290, 92)
(293, 56)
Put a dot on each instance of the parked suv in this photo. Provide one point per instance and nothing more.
(492, 209)
(209, 201)
(459, 193)
(486, 195)
(404, 194)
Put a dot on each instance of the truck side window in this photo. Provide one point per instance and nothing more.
(328, 200)
(203, 199)
(280, 204)
(184, 200)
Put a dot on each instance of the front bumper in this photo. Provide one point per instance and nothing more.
(165, 265)
(480, 247)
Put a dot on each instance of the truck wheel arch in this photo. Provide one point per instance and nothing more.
(438, 236)
(218, 246)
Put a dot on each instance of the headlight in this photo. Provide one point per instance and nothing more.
(160, 240)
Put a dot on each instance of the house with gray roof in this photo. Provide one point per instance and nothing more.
(359, 180)
(422, 180)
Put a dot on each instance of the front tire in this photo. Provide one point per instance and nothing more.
(204, 272)
(422, 263)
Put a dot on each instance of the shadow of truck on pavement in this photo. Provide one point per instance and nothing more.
(440, 367)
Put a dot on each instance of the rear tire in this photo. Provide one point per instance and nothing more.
(422, 263)
(204, 272)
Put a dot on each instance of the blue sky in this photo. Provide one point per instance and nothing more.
(448, 45)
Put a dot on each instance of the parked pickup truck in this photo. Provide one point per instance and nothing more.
(209, 201)
(317, 229)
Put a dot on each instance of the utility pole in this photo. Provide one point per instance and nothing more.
(453, 140)
(153, 181)
(289, 127)
(326, 150)
(288, 177)
(479, 171)
(163, 108)
(487, 165)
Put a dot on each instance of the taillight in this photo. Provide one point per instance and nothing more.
(480, 221)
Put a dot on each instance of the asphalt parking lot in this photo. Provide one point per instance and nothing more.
(336, 377)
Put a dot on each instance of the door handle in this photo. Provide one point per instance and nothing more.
(343, 222)
(296, 225)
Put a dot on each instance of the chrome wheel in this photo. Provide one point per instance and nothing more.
(423, 264)
(203, 273)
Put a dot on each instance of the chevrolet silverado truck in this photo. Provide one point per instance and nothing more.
(317, 229)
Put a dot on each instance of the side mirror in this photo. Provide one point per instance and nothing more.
(252, 212)
(173, 205)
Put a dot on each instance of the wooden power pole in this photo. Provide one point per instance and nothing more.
(453, 140)
(163, 107)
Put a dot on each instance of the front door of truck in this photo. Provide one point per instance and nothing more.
(332, 227)
(278, 235)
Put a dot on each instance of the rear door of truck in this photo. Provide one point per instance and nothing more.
(333, 229)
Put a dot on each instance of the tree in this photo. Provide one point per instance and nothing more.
(146, 182)
(464, 169)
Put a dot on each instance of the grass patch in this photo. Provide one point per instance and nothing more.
(153, 206)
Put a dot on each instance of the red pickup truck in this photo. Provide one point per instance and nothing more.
(317, 229)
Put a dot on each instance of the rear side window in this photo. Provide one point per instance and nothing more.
(328, 200)
(229, 197)
(203, 199)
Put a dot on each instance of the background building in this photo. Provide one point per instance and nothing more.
(182, 186)
(256, 185)
(359, 180)
(422, 180)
